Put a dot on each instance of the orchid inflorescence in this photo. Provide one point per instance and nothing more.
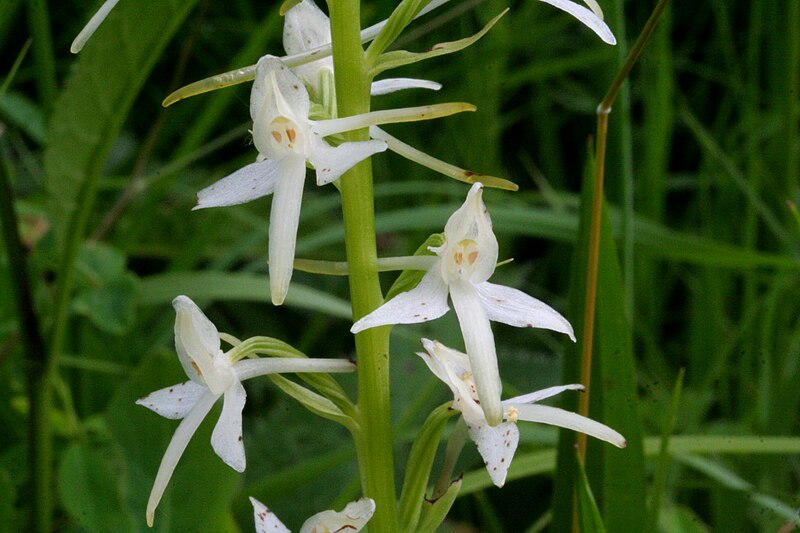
(295, 127)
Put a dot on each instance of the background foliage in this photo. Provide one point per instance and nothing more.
(704, 167)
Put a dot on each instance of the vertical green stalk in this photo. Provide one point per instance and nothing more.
(374, 440)
(39, 23)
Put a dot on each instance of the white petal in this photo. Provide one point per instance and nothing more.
(469, 223)
(398, 84)
(266, 521)
(515, 308)
(330, 162)
(94, 22)
(248, 183)
(251, 368)
(227, 436)
(174, 402)
(351, 519)
(426, 301)
(540, 395)
(196, 341)
(283, 221)
(175, 449)
(565, 419)
(305, 26)
(453, 368)
(497, 446)
(587, 17)
(479, 341)
(287, 92)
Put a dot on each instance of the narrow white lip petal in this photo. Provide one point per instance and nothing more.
(515, 308)
(251, 368)
(196, 340)
(352, 518)
(91, 26)
(174, 402)
(176, 447)
(331, 162)
(266, 521)
(248, 183)
(426, 301)
(585, 16)
(565, 419)
(540, 395)
(479, 341)
(227, 436)
(283, 222)
(497, 446)
(391, 85)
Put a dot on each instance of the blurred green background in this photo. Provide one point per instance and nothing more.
(703, 172)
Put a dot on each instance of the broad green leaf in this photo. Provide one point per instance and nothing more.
(112, 306)
(162, 288)
(418, 466)
(99, 92)
(90, 491)
(20, 111)
(399, 58)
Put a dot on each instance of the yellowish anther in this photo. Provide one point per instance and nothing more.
(292, 136)
(512, 414)
(458, 257)
(472, 257)
(197, 369)
(277, 136)
(468, 248)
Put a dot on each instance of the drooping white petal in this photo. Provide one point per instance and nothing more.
(391, 85)
(196, 341)
(565, 419)
(470, 249)
(587, 17)
(175, 449)
(479, 341)
(331, 162)
(266, 521)
(251, 368)
(352, 518)
(497, 446)
(515, 308)
(426, 301)
(227, 436)
(174, 402)
(91, 26)
(540, 395)
(283, 221)
(248, 183)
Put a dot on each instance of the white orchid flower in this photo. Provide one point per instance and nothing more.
(286, 139)
(591, 18)
(350, 520)
(212, 374)
(306, 28)
(466, 261)
(497, 444)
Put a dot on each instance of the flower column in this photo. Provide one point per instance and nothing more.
(374, 443)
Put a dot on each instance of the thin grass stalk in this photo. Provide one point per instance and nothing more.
(39, 450)
(39, 23)
(603, 111)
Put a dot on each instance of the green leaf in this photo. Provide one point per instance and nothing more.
(90, 491)
(418, 466)
(588, 513)
(111, 307)
(400, 58)
(312, 401)
(22, 112)
(408, 279)
(434, 512)
(161, 289)
(101, 88)
(401, 17)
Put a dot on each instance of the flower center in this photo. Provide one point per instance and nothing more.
(461, 258)
(284, 135)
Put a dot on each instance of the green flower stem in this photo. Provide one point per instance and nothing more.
(373, 442)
